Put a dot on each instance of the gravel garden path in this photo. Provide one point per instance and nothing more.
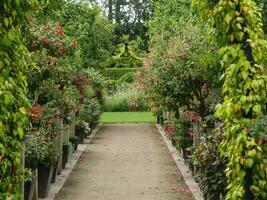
(126, 162)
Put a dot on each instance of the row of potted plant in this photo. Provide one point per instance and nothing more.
(46, 160)
(66, 104)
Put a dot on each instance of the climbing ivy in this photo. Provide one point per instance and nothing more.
(238, 24)
(13, 88)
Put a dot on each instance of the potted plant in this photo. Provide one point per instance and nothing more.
(40, 154)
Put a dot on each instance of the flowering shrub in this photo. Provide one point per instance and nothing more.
(51, 36)
(191, 116)
(35, 112)
(170, 129)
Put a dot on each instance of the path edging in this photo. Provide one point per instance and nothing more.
(184, 169)
(63, 177)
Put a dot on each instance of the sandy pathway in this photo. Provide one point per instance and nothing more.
(126, 162)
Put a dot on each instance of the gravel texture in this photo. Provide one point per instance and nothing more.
(126, 162)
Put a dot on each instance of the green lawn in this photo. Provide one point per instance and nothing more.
(128, 117)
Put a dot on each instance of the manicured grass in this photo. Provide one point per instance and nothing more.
(128, 117)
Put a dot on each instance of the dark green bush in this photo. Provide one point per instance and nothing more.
(183, 135)
(210, 167)
(117, 73)
(127, 78)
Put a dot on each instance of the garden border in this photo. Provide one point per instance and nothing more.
(63, 177)
(184, 169)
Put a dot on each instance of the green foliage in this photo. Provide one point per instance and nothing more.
(125, 58)
(93, 32)
(40, 151)
(181, 135)
(90, 112)
(127, 78)
(117, 73)
(128, 54)
(239, 29)
(210, 167)
(181, 70)
(122, 11)
(13, 101)
(125, 99)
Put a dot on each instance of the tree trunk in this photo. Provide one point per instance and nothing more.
(117, 11)
(110, 10)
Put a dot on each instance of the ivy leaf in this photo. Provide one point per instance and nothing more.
(257, 109)
(228, 18)
(6, 22)
(249, 162)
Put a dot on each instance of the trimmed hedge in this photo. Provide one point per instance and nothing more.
(117, 73)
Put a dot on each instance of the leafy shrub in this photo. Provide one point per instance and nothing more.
(40, 151)
(210, 167)
(90, 112)
(111, 85)
(126, 99)
(183, 135)
(117, 73)
(127, 78)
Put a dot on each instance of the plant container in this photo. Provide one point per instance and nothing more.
(75, 143)
(65, 155)
(44, 180)
(30, 187)
(55, 172)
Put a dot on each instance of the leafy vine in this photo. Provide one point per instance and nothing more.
(239, 30)
(13, 101)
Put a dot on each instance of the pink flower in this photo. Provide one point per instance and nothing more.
(170, 129)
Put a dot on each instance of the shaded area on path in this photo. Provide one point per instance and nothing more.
(126, 162)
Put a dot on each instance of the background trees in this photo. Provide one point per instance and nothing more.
(130, 17)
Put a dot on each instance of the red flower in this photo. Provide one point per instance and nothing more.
(170, 129)
(74, 45)
(191, 116)
(36, 112)
(261, 141)
(59, 30)
(44, 40)
(34, 44)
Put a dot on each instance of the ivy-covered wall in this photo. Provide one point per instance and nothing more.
(239, 31)
(13, 101)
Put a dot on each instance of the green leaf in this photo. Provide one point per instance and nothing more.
(249, 162)
(228, 18)
(6, 22)
(257, 109)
